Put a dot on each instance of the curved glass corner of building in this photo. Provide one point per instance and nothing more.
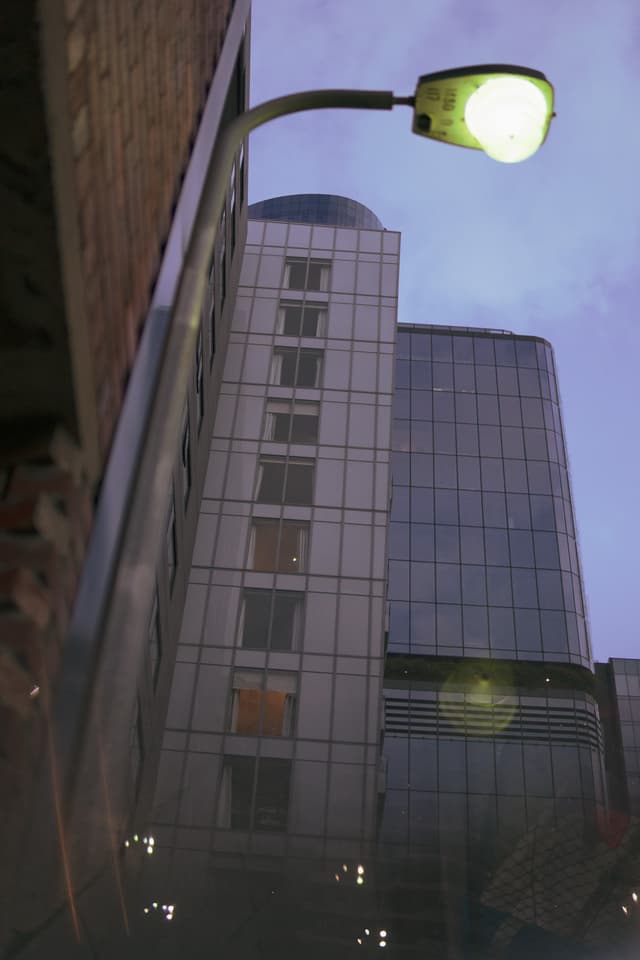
(320, 208)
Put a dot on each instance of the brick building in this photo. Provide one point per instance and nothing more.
(110, 112)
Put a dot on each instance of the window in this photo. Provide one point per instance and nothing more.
(241, 173)
(155, 650)
(212, 311)
(223, 258)
(301, 319)
(279, 546)
(271, 619)
(282, 481)
(254, 794)
(136, 748)
(302, 274)
(199, 383)
(289, 422)
(232, 206)
(263, 704)
(185, 450)
(296, 368)
(172, 552)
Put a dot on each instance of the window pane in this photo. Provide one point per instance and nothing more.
(512, 442)
(505, 352)
(291, 319)
(443, 406)
(442, 376)
(470, 508)
(472, 544)
(521, 543)
(287, 620)
(468, 473)
(444, 438)
(257, 612)
(467, 439)
(474, 588)
(518, 511)
(486, 379)
(308, 369)
(464, 376)
(297, 270)
(463, 349)
(272, 795)
(495, 514)
(496, 546)
(445, 471)
(304, 428)
(441, 346)
(488, 409)
(299, 485)
(446, 505)
(466, 410)
(447, 549)
(271, 484)
(422, 436)
(507, 381)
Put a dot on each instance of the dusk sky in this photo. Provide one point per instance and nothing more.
(548, 247)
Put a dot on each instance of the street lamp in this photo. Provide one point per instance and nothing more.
(502, 109)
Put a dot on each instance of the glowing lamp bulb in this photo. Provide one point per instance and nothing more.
(508, 118)
(360, 881)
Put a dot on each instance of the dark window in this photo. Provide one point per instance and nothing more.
(212, 311)
(272, 619)
(474, 588)
(296, 368)
(486, 379)
(282, 481)
(232, 207)
(505, 352)
(307, 274)
(441, 347)
(301, 320)
(241, 173)
(155, 647)
(171, 546)
(136, 748)
(442, 376)
(463, 349)
(279, 546)
(223, 258)
(508, 381)
(186, 458)
(255, 794)
(199, 380)
(288, 422)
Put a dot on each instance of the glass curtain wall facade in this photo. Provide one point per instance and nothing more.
(483, 554)
(492, 727)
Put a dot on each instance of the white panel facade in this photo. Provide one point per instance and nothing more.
(282, 644)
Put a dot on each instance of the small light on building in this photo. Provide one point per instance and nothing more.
(360, 881)
(634, 897)
(624, 910)
(547, 679)
(152, 841)
(360, 869)
(344, 867)
(383, 934)
(146, 909)
(155, 905)
(135, 838)
(367, 931)
(149, 849)
(126, 843)
(35, 690)
(359, 940)
(382, 943)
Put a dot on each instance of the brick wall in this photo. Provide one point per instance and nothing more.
(138, 75)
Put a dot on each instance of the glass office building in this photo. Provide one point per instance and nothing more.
(483, 555)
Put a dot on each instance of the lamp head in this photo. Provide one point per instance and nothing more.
(504, 110)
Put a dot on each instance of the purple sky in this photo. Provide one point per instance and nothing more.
(548, 247)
